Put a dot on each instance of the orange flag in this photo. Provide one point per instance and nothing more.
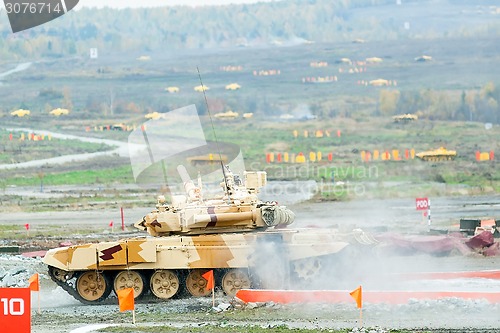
(356, 294)
(34, 282)
(126, 299)
(209, 276)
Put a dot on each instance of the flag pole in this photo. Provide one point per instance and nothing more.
(38, 300)
(213, 297)
(133, 316)
(357, 295)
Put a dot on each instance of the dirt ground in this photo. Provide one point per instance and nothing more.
(61, 313)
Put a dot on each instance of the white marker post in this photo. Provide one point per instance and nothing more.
(424, 204)
(429, 213)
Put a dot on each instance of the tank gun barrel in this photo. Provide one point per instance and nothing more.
(193, 192)
(226, 217)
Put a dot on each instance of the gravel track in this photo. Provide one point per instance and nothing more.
(61, 313)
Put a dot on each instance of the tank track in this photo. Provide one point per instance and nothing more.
(68, 285)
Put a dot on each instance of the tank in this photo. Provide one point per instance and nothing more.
(207, 159)
(247, 243)
(440, 154)
(405, 118)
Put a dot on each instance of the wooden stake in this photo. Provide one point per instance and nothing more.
(123, 218)
(360, 317)
(213, 297)
(133, 316)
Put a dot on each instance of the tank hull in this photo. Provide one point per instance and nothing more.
(250, 256)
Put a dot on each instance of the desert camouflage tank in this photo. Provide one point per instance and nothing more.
(243, 239)
(405, 118)
(440, 154)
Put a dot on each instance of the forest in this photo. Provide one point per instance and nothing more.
(259, 24)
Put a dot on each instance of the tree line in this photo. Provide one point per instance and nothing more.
(183, 27)
(481, 105)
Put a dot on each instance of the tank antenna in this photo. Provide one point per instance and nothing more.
(215, 134)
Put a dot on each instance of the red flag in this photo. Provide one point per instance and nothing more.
(209, 276)
(34, 282)
(356, 294)
(111, 224)
(27, 226)
(126, 299)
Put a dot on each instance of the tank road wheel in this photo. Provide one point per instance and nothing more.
(308, 268)
(234, 280)
(196, 283)
(93, 287)
(130, 279)
(164, 283)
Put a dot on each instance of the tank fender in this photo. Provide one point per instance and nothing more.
(57, 258)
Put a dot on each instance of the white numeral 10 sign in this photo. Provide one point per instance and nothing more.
(13, 306)
(15, 310)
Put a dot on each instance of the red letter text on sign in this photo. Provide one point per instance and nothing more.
(15, 310)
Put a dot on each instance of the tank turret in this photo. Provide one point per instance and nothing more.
(237, 209)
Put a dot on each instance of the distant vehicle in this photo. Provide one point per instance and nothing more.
(440, 154)
(172, 89)
(153, 115)
(59, 112)
(373, 60)
(207, 159)
(20, 113)
(379, 82)
(345, 61)
(233, 86)
(405, 118)
(227, 115)
(201, 88)
(423, 58)
(119, 127)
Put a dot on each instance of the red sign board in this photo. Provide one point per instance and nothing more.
(422, 203)
(15, 310)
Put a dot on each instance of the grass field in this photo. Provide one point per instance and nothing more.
(257, 138)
